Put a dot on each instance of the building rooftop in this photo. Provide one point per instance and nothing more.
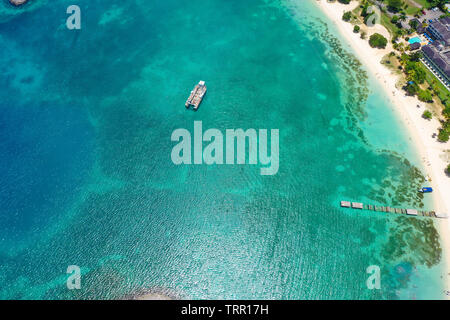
(443, 27)
(446, 21)
(414, 46)
(440, 57)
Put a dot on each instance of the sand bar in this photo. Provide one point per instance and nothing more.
(18, 2)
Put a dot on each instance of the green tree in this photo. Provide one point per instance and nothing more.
(415, 56)
(411, 89)
(425, 96)
(443, 135)
(427, 115)
(365, 7)
(415, 72)
(395, 5)
(413, 24)
(347, 16)
(446, 112)
(377, 41)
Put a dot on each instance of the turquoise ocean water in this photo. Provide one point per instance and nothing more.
(85, 123)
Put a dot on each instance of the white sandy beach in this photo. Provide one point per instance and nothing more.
(434, 154)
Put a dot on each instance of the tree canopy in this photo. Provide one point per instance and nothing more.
(377, 41)
(395, 5)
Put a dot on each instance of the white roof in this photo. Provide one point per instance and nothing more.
(412, 212)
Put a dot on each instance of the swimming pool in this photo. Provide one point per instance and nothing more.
(414, 40)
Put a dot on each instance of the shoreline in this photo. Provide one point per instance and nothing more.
(430, 151)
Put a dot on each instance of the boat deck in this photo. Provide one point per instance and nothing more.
(196, 96)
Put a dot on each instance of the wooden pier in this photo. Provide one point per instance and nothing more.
(357, 205)
(408, 212)
(196, 96)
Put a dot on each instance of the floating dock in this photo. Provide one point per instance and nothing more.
(409, 212)
(345, 204)
(196, 96)
(357, 205)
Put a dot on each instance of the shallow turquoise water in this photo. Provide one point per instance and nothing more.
(87, 118)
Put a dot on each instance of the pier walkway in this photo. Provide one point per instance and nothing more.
(409, 212)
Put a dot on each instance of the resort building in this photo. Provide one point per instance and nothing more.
(414, 46)
(437, 60)
(440, 30)
(420, 29)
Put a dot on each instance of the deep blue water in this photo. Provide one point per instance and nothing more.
(46, 156)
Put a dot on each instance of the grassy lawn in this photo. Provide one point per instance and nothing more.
(392, 64)
(423, 3)
(357, 11)
(412, 10)
(386, 22)
(443, 92)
